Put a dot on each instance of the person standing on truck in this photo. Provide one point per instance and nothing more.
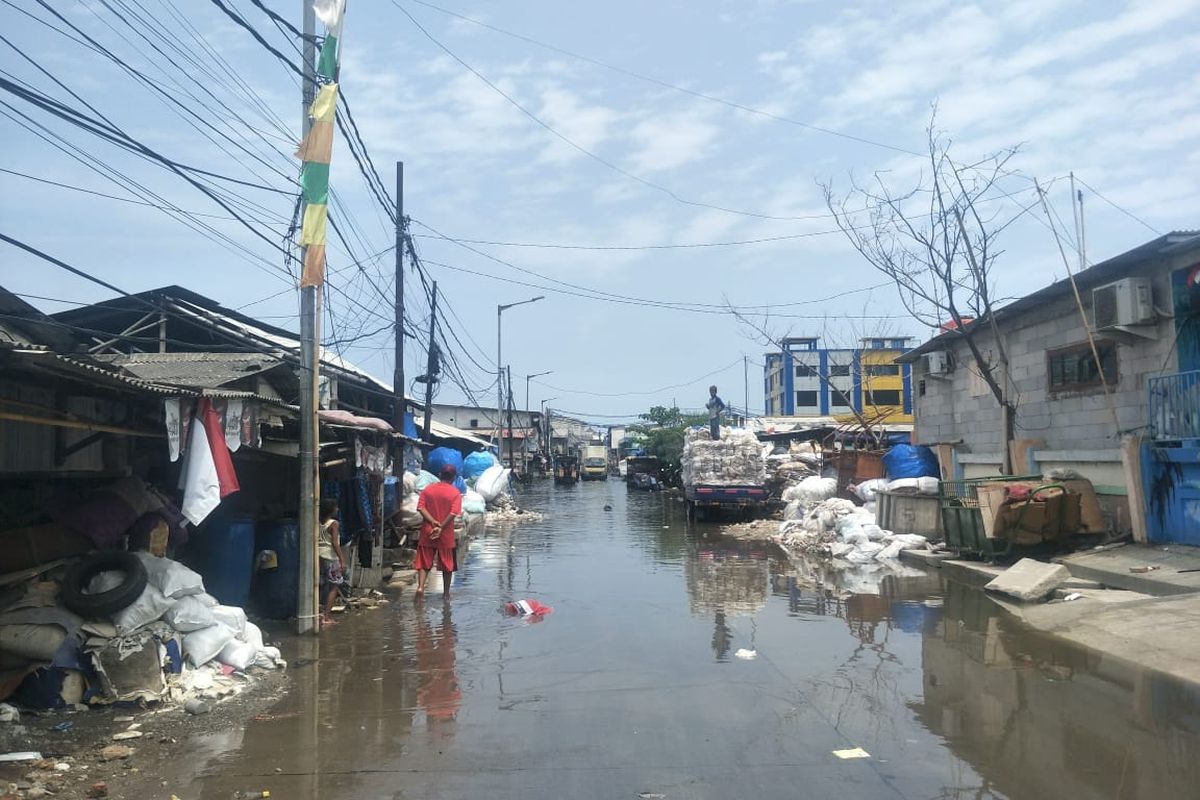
(715, 406)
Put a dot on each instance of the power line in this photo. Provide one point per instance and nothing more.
(1122, 209)
(580, 148)
(660, 390)
(674, 87)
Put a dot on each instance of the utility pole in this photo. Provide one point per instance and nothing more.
(746, 382)
(310, 358)
(399, 406)
(431, 365)
(510, 410)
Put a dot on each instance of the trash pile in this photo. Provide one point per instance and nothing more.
(817, 522)
(117, 626)
(482, 480)
(735, 460)
(802, 460)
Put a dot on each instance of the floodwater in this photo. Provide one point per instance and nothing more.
(633, 687)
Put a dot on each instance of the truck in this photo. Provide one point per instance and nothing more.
(595, 463)
(727, 474)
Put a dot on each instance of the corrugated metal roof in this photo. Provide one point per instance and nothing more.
(444, 431)
(1096, 275)
(199, 370)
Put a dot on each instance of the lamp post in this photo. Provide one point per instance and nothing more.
(500, 309)
(546, 425)
(528, 378)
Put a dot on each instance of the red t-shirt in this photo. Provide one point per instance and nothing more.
(442, 501)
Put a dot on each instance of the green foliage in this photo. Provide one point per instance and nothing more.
(662, 433)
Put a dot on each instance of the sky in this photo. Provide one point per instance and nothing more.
(653, 145)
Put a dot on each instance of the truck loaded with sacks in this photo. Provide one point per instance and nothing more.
(728, 473)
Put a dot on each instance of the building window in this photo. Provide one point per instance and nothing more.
(921, 388)
(877, 344)
(883, 397)
(806, 371)
(839, 370)
(1074, 368)
(882, 370)
(806, 399)
(474, 423)
(838, 398)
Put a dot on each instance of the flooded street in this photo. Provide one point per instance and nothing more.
(633, 687)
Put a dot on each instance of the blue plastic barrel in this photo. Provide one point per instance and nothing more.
(223, 553)
(275, 590)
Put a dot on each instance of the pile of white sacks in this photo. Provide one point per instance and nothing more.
(736, 459)
(814, 521)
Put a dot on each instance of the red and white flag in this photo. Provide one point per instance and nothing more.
(208, 474)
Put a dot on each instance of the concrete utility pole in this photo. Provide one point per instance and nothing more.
(398, 402)
(746, 382)
(510, 410)
(310, 360)
(546, 432)
(431, 367)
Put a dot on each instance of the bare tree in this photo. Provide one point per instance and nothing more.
(937, 242)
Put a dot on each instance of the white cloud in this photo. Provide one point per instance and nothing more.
(671, 140)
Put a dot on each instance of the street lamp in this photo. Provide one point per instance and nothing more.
(528, 378)
(500, 309)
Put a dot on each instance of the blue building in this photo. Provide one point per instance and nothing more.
(807, 380)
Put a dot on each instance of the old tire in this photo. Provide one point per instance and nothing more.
(74, 592)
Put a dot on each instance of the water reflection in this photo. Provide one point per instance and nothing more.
(1039, 718)
(438, 692)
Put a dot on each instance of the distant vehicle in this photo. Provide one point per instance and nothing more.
(638, 466)
(746, 499)
(644, 482)
(595, 463)
(623, 469)
(566, 470)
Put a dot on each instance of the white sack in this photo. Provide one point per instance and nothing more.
(252, 634)
(202, 646)
(208, 600)
(493, 482)
(231, 617)
(410, 517)
(409, 481)
(171, 578)
(794, 510)
(237, 654)
(149, 606)
(867, 489)
(189, 614)
(736, 459)
(473, 502)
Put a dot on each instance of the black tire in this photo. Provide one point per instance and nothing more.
(73, 591)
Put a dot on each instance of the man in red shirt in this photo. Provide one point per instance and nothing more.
(438, 504)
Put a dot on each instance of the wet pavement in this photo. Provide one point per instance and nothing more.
(633, 687)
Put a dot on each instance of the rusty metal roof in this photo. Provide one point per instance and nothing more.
(196, 370)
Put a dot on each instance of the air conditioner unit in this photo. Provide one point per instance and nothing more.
(938, 362)
(1129, 301)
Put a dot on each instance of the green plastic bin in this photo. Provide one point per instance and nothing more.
(962, 521)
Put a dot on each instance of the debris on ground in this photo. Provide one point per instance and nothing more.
(1029, 579)
(116, 752)
(746, 655)
(854, 752)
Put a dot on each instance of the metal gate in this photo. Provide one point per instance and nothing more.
(1171, 459)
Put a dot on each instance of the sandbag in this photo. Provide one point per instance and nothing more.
(923, 485)
(410, 483)
(867, 489)
(207, 599)
(477, 463)
(493, 482)
(252, 634)
(231, 617)
(237, 654)
(410, 517)
(424, 479)
(444, 456)
(910, 461)
(473, 502)
(737, 458)
(189, 614)
(149, 606)
(812, 489)
(202, 646)
(171, 578)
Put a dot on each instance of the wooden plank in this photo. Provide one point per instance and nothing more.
(1131, 466)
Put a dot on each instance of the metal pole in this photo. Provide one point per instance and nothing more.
(307, 610)
(431, 365)
(510, 428)
(746, 382)
(499, 382)
(398, 402)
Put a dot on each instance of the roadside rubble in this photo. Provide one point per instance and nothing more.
(163, 642)
(1029, 579)
(485, 485)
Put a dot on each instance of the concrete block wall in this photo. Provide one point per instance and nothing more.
(948, 412)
